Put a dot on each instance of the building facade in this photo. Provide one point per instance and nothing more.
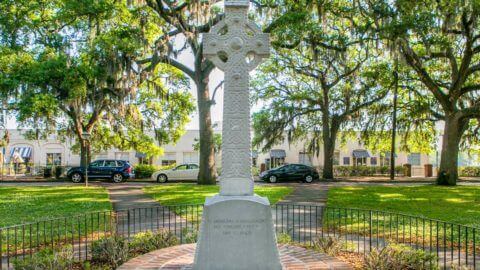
(54, 152)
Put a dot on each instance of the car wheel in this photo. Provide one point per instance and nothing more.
(272, 179)
(117, 178)
(76, 177)
(308, 179)
(162, 178)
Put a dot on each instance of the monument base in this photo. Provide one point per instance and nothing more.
(237, 233)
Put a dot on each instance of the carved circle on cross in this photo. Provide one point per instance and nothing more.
(236, 44)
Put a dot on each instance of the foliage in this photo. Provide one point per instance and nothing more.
(365, 170)
(328, 245)
(145, 242)
(217, 143)
(453, 204)
(327, 78)
(112, 251)
(438, 41)
(190, 235)
(47, 259)
(469, 171)
(397, 256)
(80, 73)
(144, 170)
(284, 238)
(183, 25)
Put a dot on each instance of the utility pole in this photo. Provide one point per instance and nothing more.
(394, 119)
(3, 125)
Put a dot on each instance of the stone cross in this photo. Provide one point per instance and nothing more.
(236, 46)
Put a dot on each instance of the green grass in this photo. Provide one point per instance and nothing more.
(27, 204)
(175, 194)
(181, 194)
(51, 210)
(460, 204)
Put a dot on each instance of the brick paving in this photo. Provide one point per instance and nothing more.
(181, 258)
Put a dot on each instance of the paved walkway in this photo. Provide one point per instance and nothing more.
(181, 257)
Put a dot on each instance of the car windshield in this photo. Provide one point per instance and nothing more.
(181, 167)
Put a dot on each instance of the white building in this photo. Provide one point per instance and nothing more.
(54, 152)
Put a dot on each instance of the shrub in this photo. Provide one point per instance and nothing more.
(284, 238)
(328, 245)
(396, 256)
(366, 170)
(112, 251)
(255, 171)
(47, 259)
(144, 170)
(190, 236)
(469, 171)
(148, 241)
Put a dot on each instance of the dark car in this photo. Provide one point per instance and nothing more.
(116, 170)
(299, 172)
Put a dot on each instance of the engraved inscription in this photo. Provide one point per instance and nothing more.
(238, 227)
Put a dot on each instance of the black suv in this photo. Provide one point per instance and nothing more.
(117, 170)
(299, 172)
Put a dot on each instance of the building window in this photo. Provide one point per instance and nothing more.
(305, 158)
(414, 159)
(360, 161)
(373, 161)
(384, 161)
(254, 162)
(54, 159)
(190, 157)
(336, 158)
(169, 158)
(346, 161)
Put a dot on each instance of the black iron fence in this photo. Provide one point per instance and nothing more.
(358, 230)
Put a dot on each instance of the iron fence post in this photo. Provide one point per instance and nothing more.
(370, 230)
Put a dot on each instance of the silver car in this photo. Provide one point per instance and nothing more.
(181, 172)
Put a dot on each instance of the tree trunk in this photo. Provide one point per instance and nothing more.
(453, 131)
(328, 152)
(207, 174)
(329, 139)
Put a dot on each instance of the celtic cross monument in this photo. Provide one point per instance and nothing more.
(237, 230)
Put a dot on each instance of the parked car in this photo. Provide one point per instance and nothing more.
(181, 172)
(116, 170)
(290, 172)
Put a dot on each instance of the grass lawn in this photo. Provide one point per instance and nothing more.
(26, 204)
(460, 204)
(173, 194)
(179, 194)
(31, 204)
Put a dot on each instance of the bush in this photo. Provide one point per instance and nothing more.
(112, 251)
(328, 245)
(148, 241)
(284, 238)
(47, 259)
(144, 170)
(469, 171)
(255, 171)
(365, 170)
(190, 236)
(396, 256)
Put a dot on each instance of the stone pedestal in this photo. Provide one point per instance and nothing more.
(237, 233)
